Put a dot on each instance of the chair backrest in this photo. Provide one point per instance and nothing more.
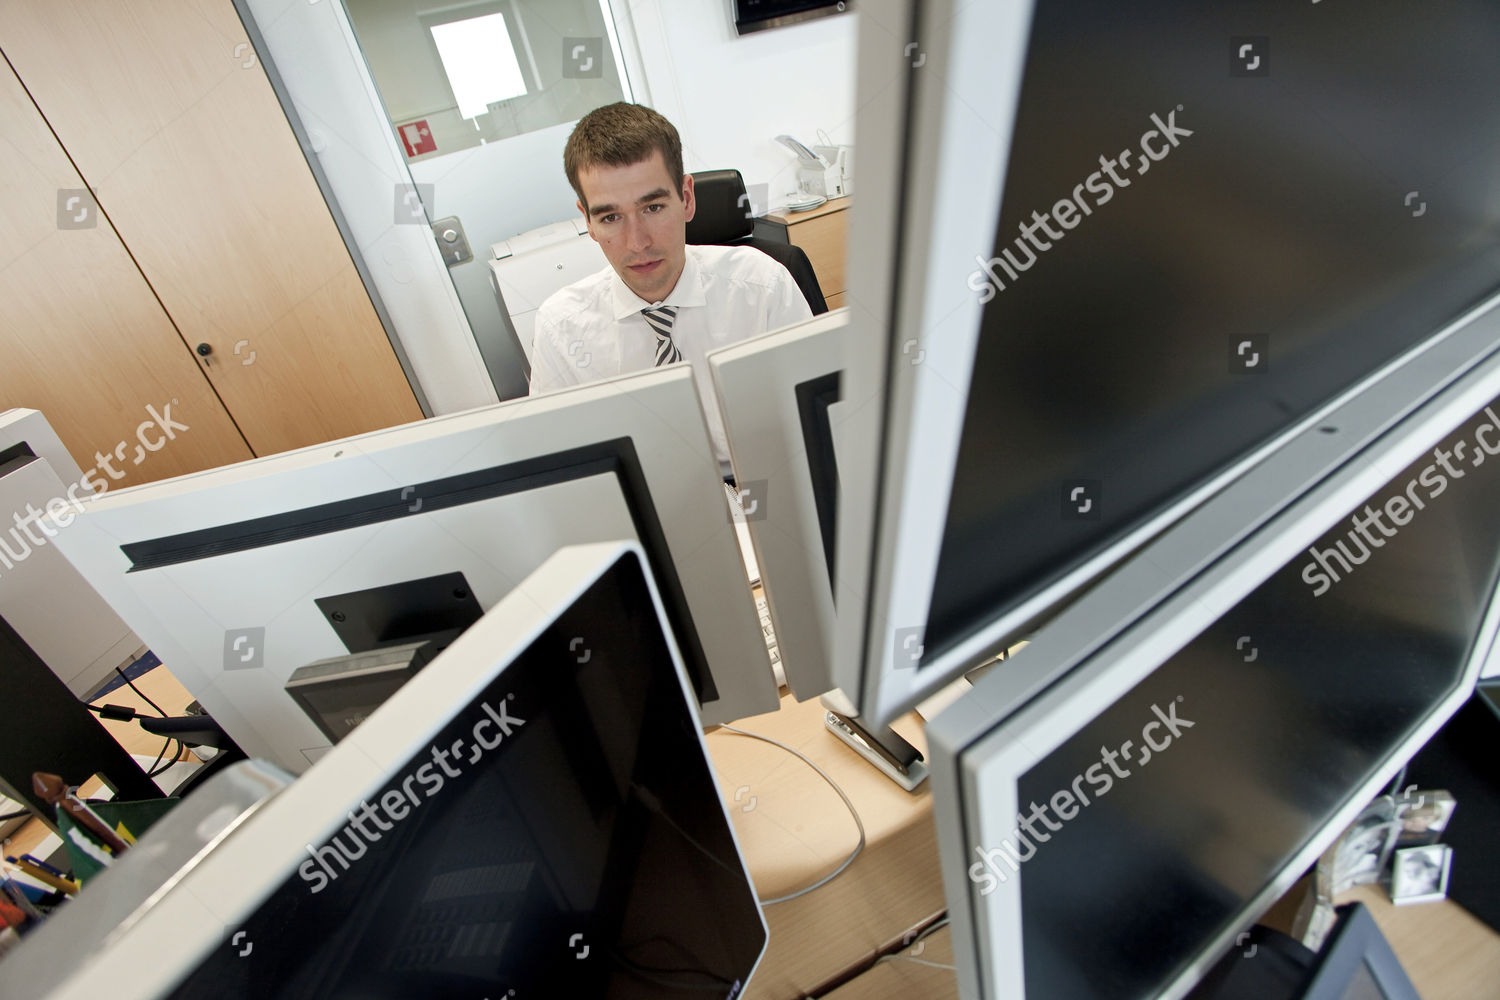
(724, 215)
(795, 260)
(724, 218)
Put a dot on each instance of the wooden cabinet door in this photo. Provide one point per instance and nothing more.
(824, 240)
(823, 234)
(170, 119)
(82, 338)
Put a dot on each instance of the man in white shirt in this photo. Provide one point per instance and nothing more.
(660, 301)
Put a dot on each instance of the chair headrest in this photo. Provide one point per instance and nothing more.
(724, 214)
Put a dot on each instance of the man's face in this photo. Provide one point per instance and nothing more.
(640, 222)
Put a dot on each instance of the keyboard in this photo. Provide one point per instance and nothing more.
(767, 631)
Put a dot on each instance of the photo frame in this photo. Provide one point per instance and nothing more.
(1423, 816)
(1420, 874)
(1366, 846)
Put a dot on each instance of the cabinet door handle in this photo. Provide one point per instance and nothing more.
(205, 349)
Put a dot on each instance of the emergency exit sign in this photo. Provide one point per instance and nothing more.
(418, 138)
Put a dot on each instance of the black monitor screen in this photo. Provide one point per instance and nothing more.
(1166, 815)
(1232, 212)
(584, 854)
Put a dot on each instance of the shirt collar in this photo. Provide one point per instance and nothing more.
(687, 292)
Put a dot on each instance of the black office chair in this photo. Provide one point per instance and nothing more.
(723, 219)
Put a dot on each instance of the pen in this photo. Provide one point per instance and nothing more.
(41, 864)
(59, 882)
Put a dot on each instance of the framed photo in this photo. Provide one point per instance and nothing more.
(1420, 874)
(1424, 815)
(1366, 846)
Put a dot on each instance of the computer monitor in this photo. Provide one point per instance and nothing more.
(1106, 256)
(26, 431)
(1166, 757)
(42, 596)
(779, 394)
(518, 821)
(238, 576)
(1355, 963)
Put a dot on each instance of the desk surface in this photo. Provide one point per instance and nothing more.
(790, 218)
(925, 971)
(794, 829)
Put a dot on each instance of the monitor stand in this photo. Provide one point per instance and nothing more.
(397, 614)
(882, 746)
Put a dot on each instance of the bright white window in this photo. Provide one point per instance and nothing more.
(480, 62)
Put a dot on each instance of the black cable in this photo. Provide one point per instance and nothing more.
(122, 713)
(16, 815)
(127, 680)
(842, 794)
(160, 754)
(152, 771)
(176, 758)
(118, 713)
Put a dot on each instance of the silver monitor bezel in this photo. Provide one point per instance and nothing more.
(932, 172)
(198, 911)
(756, 382)
(908, 382)
(659, 411)
(1157, 601)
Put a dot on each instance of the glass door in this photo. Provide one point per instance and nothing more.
(448, 121)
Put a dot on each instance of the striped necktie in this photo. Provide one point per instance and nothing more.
(660, 320)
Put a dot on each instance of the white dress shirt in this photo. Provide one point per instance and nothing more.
(593, 329)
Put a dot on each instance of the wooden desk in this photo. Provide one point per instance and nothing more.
(794, 829)
(822, 233)
(911, 973)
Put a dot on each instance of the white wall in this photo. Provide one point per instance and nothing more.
(730, 95)
(413, 84)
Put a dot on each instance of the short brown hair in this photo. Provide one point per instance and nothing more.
(618, 135)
